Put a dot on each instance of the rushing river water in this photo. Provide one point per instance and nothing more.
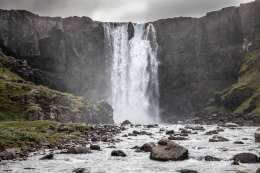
(102, 162)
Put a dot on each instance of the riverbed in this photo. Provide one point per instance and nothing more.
(139, 162)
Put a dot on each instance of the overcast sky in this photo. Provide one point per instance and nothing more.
(120, 10)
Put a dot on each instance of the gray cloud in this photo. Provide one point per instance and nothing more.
(120, 10)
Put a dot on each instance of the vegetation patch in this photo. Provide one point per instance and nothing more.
(26, 133)
(244, 95)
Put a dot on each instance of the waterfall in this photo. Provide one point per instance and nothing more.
(134, 73)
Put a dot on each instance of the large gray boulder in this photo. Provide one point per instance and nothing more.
(167, 150)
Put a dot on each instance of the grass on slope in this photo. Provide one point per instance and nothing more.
(24, 133)
(21, 100)
(245, 94)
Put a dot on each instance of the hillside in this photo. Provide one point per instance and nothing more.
(23, 100)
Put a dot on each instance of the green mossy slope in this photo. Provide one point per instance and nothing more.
(244, 95)
(23, 100)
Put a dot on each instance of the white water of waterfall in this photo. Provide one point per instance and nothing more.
(134, 73)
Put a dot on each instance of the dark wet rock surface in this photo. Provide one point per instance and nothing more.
(211, 158)
(246, 158)
(118, 153)
(217, 138)
(48, 157)
(188, 171)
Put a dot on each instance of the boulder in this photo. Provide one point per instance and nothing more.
(238, 142)
(169, 132)
(198, 128)
(147, 147)
(177, 138)
(211, 132)
(78, 150)
(246, 158)
(150, 126)
(79, 170)
(188, 171)
(185, 131)
(257, 135)
(95, 147)
(48, 157)
(211, 158)
(125, 123)
(118, 153)
(217, 138)
(167, 150)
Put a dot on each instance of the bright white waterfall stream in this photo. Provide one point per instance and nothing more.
(134, 74)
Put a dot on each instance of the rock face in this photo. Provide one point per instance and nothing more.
(70, 54)
(194, 51)
(167, 150)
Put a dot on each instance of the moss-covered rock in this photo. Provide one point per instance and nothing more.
(20, 99)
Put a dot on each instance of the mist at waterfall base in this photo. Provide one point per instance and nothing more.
(134, 73)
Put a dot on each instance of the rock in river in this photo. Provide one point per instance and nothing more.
(188, 171)
(48, 157)
(147, 147)
(78, 150)
(168, 150)
(211, 158)
(217, 138)
(95, 147)
(118, 153)
(246, 158)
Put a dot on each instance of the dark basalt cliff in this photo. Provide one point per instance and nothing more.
(68, 52)
(198, 56)
(201, 56)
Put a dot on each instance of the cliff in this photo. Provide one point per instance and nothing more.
(198, 56)
(68, 52)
